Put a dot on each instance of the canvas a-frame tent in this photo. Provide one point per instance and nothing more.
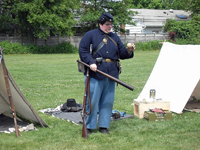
(21, 105)
(175, 76)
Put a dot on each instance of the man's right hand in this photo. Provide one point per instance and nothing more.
(93, 67)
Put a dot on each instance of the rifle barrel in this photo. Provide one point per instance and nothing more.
(130, 87)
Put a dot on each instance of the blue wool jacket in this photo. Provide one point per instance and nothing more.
(108, 51)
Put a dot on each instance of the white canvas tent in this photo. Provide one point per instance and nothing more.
(21, 105)
(175, 76)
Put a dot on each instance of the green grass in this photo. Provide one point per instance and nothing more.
(49, 80)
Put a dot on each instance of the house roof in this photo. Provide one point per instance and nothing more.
(156, 17)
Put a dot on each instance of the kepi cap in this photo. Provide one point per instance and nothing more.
(106, 17)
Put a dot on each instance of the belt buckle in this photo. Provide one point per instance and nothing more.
(108, 60)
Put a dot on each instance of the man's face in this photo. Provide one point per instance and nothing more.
(106, 27)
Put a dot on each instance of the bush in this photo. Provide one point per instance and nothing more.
(17, 48)
(64, 47)
(146, 46)
(185, 30)
(169, 24)
(186, 42)
(13, 48)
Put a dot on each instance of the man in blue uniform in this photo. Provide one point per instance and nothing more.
(101, 49)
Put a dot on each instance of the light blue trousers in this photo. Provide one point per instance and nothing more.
(102, 98)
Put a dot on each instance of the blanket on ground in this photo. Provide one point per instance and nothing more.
(75, 117)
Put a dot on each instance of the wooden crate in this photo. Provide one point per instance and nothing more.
(141, 106)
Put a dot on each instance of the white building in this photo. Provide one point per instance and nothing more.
(152, 20)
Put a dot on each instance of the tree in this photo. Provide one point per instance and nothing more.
(193, 6)
(177, 4)
(6, 21)
(37, 18)
(155, 4)
(160, 4)
(141, 3)
(92, 9)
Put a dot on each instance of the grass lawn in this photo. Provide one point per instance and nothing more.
(49, 80)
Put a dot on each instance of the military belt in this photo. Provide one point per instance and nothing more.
(100, 59)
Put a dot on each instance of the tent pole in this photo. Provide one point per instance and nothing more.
(9, 92)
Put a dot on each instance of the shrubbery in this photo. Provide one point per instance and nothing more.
(147, 46)
(13, 48)
(185, 31)
(66, 47)
(17, 48)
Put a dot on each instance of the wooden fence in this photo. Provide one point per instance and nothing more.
(75, 40)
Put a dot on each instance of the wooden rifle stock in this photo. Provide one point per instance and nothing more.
(9, 93)
(130, 87)
(84, 129)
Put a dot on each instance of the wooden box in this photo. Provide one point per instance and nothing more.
(152, 116)
(141, 106)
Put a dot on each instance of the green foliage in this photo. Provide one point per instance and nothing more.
(183, 30)
(37, 18)
(5, 23)
(92, 10)
(195, 21)
(17, 48)
(141, 3)
(169, 24)
(193, 6)
(155, 4)
(13, 48)
(188, 30)
(64, 47)
(195, 41)
(189, 5)
(160, 4)
(147, 46)
(174, 4)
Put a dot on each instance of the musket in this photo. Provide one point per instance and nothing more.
(9, 92)
(130, 87)
(84, 113)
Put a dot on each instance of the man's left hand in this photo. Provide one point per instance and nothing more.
(130, 47)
